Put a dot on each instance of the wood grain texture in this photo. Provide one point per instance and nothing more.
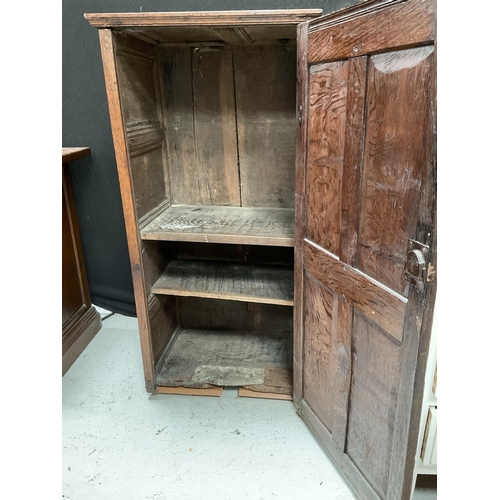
(249, 393)
(320, 314)
(126, 190)
(190, 391)
(355, 33)
(373, 402)
(326, 137)
(266, 120)
(219, 314)
(222, 280)
(219, 18)
(201, 358)
(149, 182)
(177, 78)
(215, 126)
(374, 300)
(302, 111)
(353, 158)
(71, 154)
(396, 123)
(237, 225)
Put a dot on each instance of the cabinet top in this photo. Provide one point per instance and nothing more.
(202, 18)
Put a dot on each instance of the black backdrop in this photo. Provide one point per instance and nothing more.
(85, 122)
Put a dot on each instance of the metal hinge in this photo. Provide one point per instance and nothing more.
(300, 113)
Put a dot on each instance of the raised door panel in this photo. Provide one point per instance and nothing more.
(366, 186)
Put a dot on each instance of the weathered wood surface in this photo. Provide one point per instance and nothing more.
(126, 190)
(190, 391)
(218, 224)
(396, 127)
(373, 402)
(223, 280)
(352, 34)
(219, 18)
(377, 302)
(71, 154)
(216, 152)
(327, 116)
(201, 358)
(244, 392)
(264, 79)
(219, 314)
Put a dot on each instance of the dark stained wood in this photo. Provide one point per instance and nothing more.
(215, 126)
(318, 356)
(222, 280)
(380, 304)
(217, 314)
(80, 320)
(219, 18)
(397, 113)
(302, 111)
(353, 157)
(218, 224)
(327, 115)
(387, 196)
(266, 120)
(342, 341)
(373, 402)
(126, 189)
(149, 181)
(404, 24)
(70, 154)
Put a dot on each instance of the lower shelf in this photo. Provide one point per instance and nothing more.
(201, 359)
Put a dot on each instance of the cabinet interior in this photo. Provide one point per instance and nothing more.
(209, 116)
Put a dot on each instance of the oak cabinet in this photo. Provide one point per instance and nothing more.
(277, 172)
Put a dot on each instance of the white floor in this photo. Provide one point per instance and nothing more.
(121, 443)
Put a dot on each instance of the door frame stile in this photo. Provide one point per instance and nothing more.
(300, 213)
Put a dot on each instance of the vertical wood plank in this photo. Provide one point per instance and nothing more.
(327, 120)
(398, 106)
(300, 173)
(353, 156)
(320, 319)
(374, 395)
(179, 126)
(215, 126)
(265, 103)
(133, 238)
(342, 348)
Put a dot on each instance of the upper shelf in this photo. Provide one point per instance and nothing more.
(215, 224)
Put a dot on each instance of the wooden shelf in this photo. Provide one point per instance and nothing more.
(207, 358)
(213, 224)
(227, 280)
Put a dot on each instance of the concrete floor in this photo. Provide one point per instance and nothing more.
(121, 443)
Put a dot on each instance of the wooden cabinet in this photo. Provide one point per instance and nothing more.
(80, 320)
(277, 171)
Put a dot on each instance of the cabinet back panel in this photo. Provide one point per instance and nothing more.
(216, 314)
(230, 124)
(265, 84)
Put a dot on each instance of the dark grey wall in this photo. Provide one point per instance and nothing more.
(85, 122)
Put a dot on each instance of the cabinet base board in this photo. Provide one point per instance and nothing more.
(190, 391)
(247, 393)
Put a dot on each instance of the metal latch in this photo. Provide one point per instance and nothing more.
(416, 263)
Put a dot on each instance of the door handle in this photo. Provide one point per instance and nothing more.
(416, 263)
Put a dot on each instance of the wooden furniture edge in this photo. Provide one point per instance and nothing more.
(190, 391)
(71, 154)
(247, 393)
(201, 18)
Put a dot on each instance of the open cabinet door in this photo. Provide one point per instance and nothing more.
(365, 236)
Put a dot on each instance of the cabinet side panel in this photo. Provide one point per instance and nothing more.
(265, 84)
(126, 189)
